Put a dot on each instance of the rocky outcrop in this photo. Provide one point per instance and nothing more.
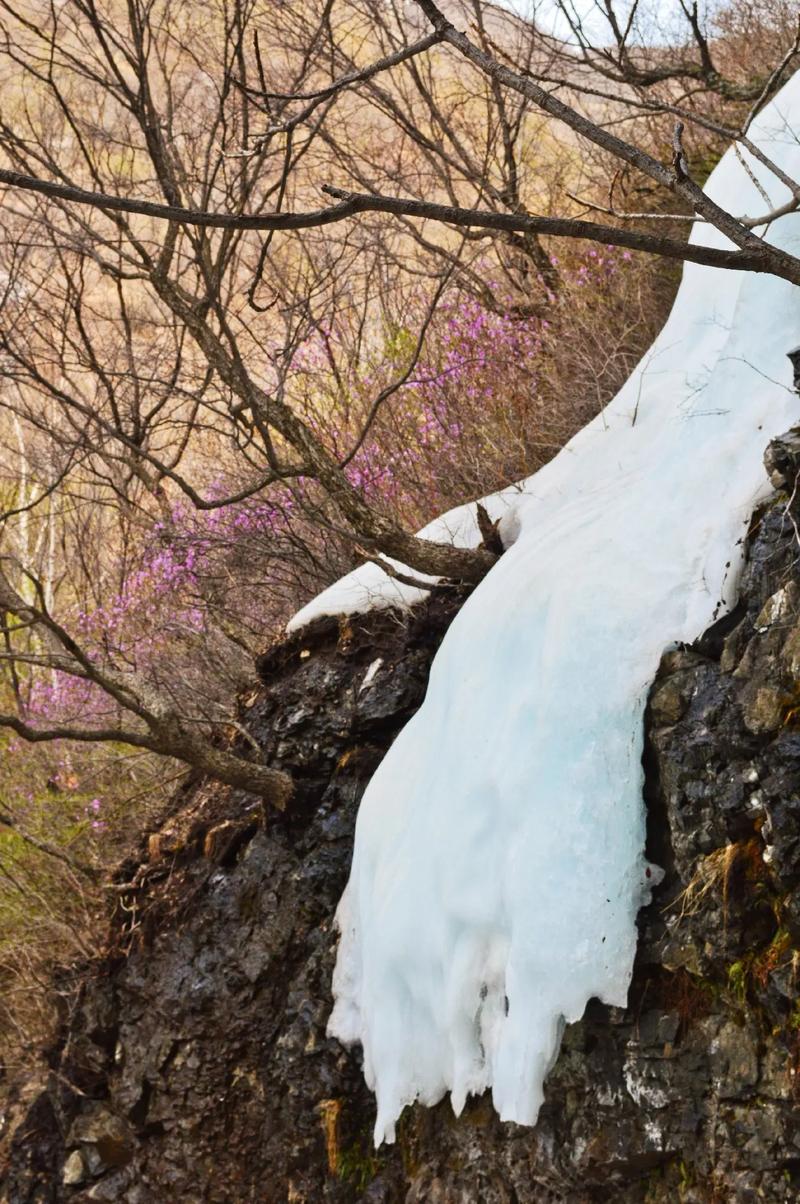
(193, 1063)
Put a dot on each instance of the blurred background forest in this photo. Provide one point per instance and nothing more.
(156, 532)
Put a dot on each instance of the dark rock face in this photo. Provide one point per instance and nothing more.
(194, 1064)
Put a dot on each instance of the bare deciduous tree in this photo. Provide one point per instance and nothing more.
(167, 257)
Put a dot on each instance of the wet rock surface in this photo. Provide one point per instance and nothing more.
(193, 1063)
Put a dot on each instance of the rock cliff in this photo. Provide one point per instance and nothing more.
(193, 1063)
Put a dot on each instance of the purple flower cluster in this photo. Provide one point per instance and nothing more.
(437, 438)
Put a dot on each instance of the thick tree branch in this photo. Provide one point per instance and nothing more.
(164, 731)
(672, 179)
(756, 255)
(754, 259)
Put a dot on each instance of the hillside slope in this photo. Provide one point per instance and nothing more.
(193, 1063)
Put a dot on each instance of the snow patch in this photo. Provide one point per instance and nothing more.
(653, 1135)
(498, 862)
(371, 674)
(642, 1092)
(370, 588)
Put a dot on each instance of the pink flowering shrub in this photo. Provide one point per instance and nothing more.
(492, 396)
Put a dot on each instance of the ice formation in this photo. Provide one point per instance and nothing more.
(498, 862)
